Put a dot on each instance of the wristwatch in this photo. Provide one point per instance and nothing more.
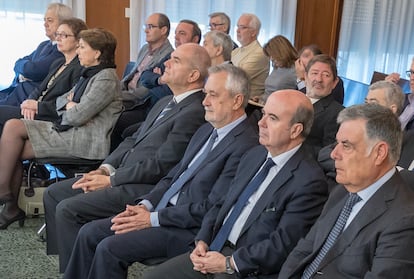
(229, 269)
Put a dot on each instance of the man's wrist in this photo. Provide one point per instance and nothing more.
(229, 265)
(104, 170)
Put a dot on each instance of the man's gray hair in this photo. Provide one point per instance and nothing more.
(381, 125)
(61, 10)
(237, 80)
(393, 94)
(254, 22)
(221, 39)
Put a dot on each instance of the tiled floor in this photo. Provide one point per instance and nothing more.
(23, 255)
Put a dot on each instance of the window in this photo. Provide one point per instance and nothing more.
(375, 35)
(277, 16)
(21, 31)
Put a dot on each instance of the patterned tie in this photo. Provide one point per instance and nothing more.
(167, 108)
(333, 235)
(224, 232)
(178, 184)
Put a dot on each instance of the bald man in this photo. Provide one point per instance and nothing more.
(276, 195)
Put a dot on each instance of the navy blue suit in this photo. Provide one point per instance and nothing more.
(178, 224)
(34, 67)
(282, 215)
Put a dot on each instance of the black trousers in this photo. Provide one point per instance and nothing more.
(181, 267)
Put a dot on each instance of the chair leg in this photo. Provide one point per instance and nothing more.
(42, 232)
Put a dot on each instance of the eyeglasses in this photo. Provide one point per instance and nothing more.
(409, 73)
(242, 27)
(150, 26)
(214, 25)
(63, 35)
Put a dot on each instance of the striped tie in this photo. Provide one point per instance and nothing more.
(167, 108)
(333, 235)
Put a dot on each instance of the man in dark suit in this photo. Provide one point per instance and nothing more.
(165, 221)
(321, 77)
(144, 158)
(151, 82)
(306, 53)
(30, 70)
(373, 236)
(269, 206)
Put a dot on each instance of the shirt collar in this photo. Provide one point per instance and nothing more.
(281, 159)
(184, 95)
(368, 192)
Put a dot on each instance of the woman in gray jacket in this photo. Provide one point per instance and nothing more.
(87, 115)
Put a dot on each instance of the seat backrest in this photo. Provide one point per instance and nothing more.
(403, 83)
(355, 92)
(128, 68)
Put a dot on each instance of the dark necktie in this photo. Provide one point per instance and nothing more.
(252, 187)
(167, 108)
(178, 184)
(333, 235)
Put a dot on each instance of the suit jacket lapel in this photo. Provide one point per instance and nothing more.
(193, 152)
(372, 210)
(278, 181)
(234, 192)
(223, 145)
(320, 105)
(150, 119)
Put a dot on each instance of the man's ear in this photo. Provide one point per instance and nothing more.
(193, 76)
(296, 130)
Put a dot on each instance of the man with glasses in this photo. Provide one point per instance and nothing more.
(220, 22)
(157, 29)
(250, 56)
(407, 116)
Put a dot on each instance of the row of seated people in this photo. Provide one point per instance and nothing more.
(288, 64)
(77, 124)
(68, 210)
(245, 205)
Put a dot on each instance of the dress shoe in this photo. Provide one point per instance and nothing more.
(5, 222)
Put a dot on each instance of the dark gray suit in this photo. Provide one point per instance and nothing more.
(378, 243)
(145, 158)
(179, 223)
